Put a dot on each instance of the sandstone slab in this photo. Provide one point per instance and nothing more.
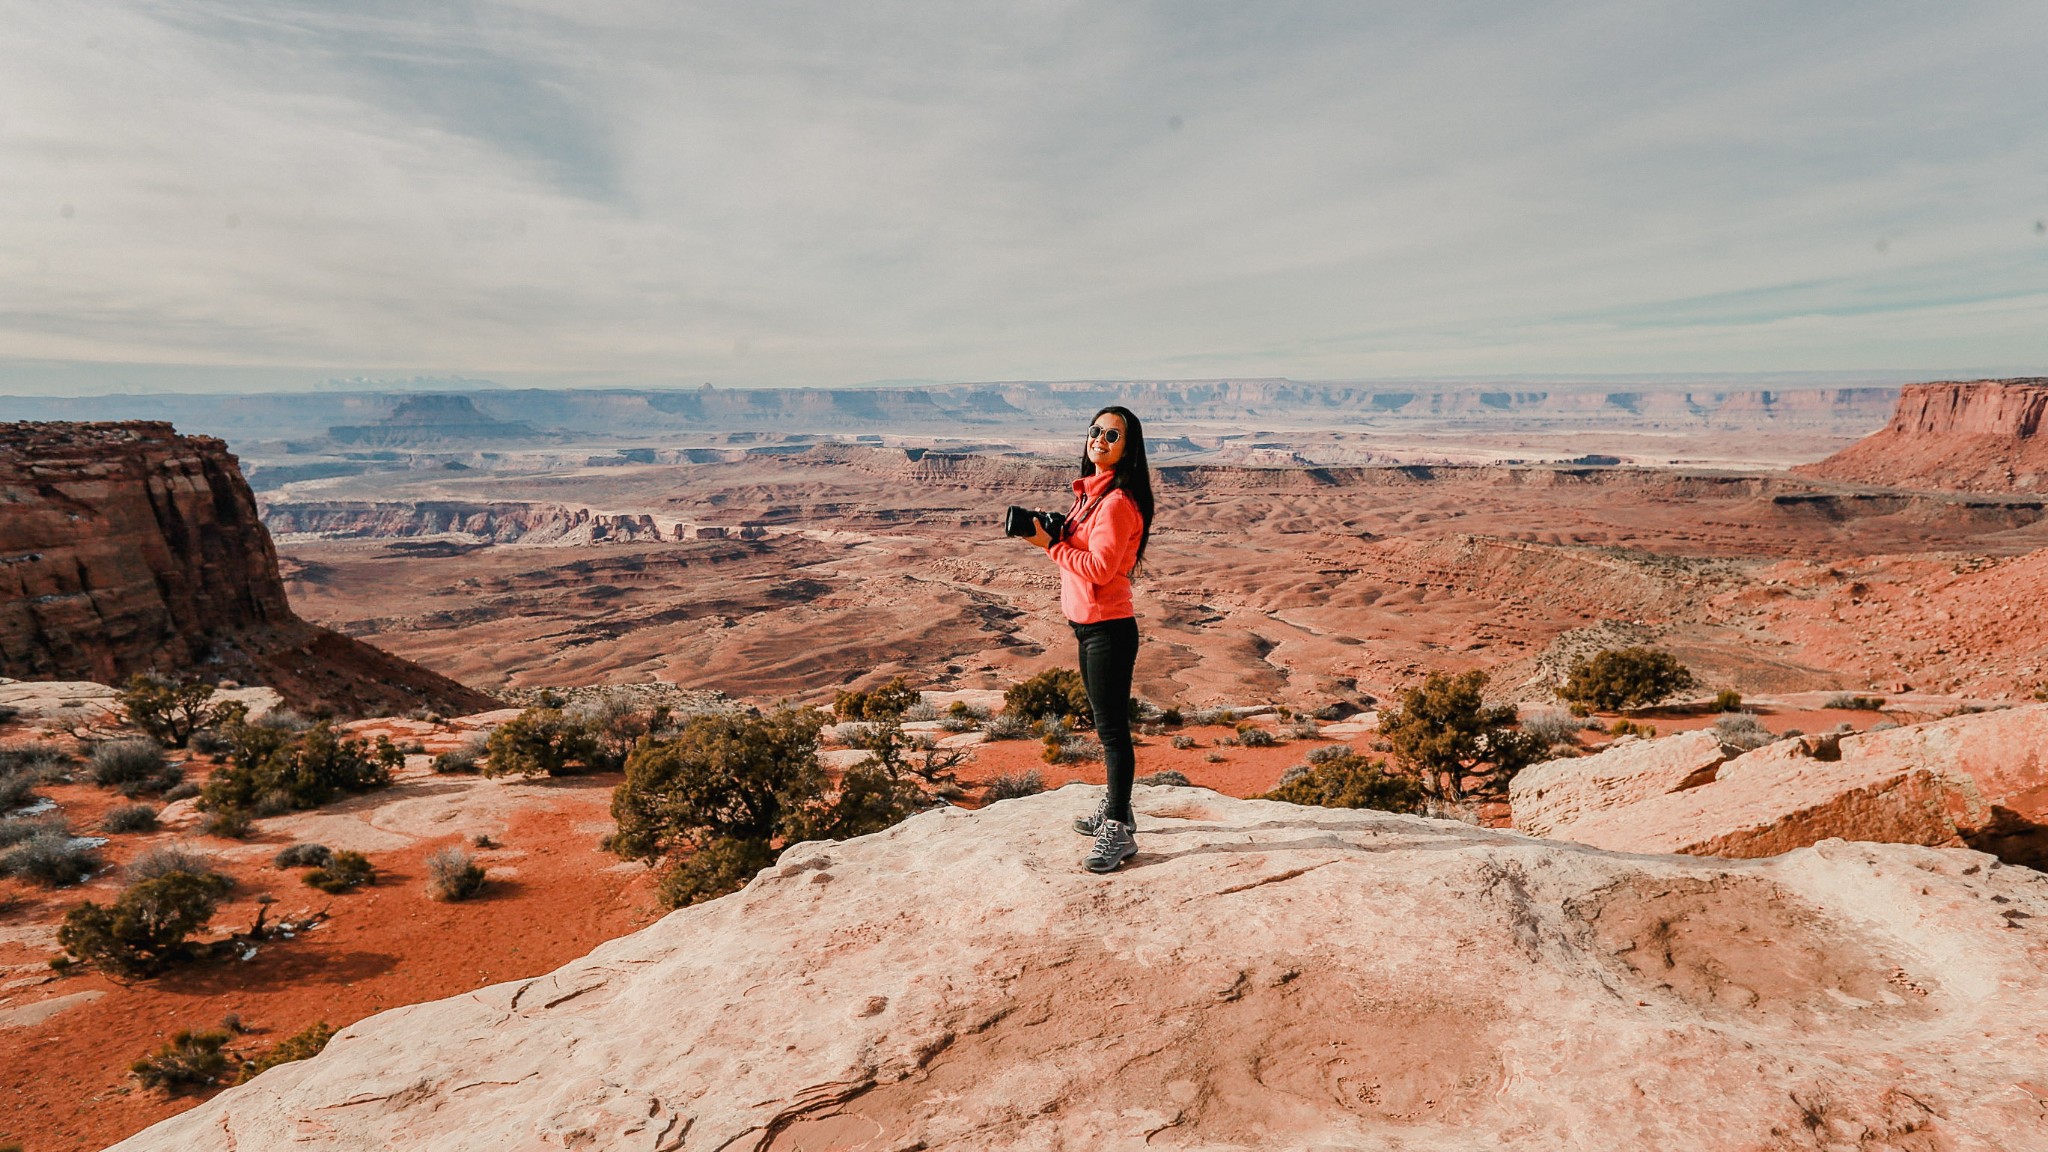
(1261, 976)
(1556, 794)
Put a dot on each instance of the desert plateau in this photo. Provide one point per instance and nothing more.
(1793, 901)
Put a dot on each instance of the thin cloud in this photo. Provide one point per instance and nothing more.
(801, 193)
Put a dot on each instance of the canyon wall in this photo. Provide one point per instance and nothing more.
(1970, 436)
(127, 547)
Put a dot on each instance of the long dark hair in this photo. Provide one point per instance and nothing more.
(1133, 471)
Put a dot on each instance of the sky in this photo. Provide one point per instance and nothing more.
(212, 194)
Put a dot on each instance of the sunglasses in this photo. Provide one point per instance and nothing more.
(1106, 435)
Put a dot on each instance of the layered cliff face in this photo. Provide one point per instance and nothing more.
(127, 547)
(1969, 436)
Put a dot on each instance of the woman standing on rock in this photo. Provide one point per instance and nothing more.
(1102, 541)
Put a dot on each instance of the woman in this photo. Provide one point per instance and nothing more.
(1104, 539)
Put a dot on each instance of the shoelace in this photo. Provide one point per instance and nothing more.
(1106, 838)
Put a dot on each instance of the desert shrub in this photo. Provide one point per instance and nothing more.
(1171, 716)
(1209, 717)
(129, 818)
(277, 769)
(147, 928)
(960, 716)
(165, 859)
(1215, 757)
(1328, 752)
(889, 702)
(1552, 727)
(38, 757)
(613, 724)
(1011, 785)
(1053, 692)
(188, 1060)
(457, 762)
(172, 776)
(345, 871)
(1061, 747)
(303, 856)
(1302, 727)
(1167, 779)
(184, 791)
(720, 866)
(1632, 728)
(1006, 726)
(171, 709)
(920, 712)
(17, 789)
(727, 787)
(208, 742)
(542, 742)
(1445, 732)
(1727, 700)
(51, 857)
(1349, 781)
(1183, 742)
(1620, 678)
(283, 720)
(1250, 735)
(228, 824)
(298, 1046)
(120, 762)
(15, 829)
(1742, 730)
(1855, 703)
(453, 874)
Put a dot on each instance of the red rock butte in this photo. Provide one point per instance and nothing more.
(1968, 436)
(127, 547)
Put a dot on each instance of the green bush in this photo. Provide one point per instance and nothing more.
(277, 769)
(168, 858)
(189, 1060)
(345, 871)
(17, 789)
(147, 928)
(171, 709)
(1166, 779)
(129, 818)
(1444, 732)
(1727, 700)
(614, 725)
(889, 702)
(1006, 726)
(1855, 703)
(543, 742)
(1742, 730)
(298, 1046)
(1349, 781)
(1621, 678)
(453, 874)
(719, 866)
(1552, 727)
(228, 824)
(726, 788)
(1053, 692)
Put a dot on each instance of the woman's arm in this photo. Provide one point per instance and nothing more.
(1107, 545)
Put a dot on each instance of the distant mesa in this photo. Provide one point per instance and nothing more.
(127, 547)
(430, 419)
(1965, 436)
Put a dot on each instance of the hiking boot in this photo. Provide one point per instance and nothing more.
(1087, 825)
(1115, 842)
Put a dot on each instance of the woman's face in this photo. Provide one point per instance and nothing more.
(1101, 452)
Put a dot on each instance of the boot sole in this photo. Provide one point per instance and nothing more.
(1093, 867)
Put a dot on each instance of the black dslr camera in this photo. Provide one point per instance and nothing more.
(1024, 522)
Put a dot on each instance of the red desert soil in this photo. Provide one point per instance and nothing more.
(552, 896)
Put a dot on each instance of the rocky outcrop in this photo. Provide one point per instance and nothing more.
(127, 547)
(1261, 976)
(430, 419)
(1970, 436)
(1979, 780)
(1561, 793)
(489, 522)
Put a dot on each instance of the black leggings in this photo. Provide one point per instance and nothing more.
(1109, 650)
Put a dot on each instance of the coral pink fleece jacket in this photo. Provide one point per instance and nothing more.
(1097, 554)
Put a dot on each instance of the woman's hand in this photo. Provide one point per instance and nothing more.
(1040, 537)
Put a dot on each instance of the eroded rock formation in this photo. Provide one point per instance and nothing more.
(1979, 780)
(1261, 976)
(1970, 436)
(127, 547)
